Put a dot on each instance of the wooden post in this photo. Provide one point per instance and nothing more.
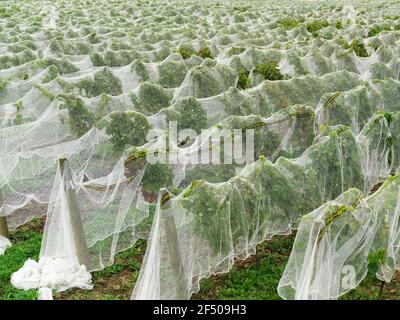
(4, 228)
(381, 290)
(173, 247)
(74, 214)
(3, 221)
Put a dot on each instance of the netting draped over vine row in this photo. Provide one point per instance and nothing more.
(112, 207)
(215, 222)
(336, 242)
(87, 223)
(32, 149)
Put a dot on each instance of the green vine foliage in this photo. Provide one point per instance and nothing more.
(354, 107)
(114, 58)
(299, 67)
(189, 114)
(140, 69)
(394, 141)
(377, 29)
(359, 48)
(157, 176)
(18, 117)
(236, 51)
(103, 81)
(244, 81)
(211, 79)
(52, 73)
(316, 25)
(151, 98)
(204, 52)
(383, 134)
(305, 90)
(3, 84)
(213, 173)
(301, 119)
(70, 48)
(209, 206)
(8, 61)
(264, 193)
(127, 128)
(103, 106)
(63, 66)
(223, 213)
(172, 73)
(268, 70)
(237, 102)
(44, 92)
(81, 120)
(288, 23)
(375, 259)
(186, 52)
(344, 165)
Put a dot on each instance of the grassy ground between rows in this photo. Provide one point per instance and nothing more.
(254, 278)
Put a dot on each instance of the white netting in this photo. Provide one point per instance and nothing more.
(82, 85)
(110, 208)
(336, 242)
(87, 223)
(4, 244)
(210, 224)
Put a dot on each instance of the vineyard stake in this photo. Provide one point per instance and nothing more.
(3, 221)
(4, 228)
(381, 290)
(74, 214)
(174, 248)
